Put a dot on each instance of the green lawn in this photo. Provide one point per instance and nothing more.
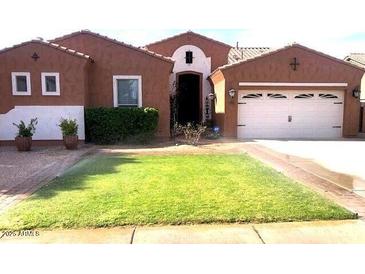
(124, 190)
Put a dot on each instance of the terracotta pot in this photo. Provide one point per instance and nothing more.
(71, 142)
(23, 143)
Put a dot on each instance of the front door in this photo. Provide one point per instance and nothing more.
(188, 98)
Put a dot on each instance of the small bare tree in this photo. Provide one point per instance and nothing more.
(192, 133)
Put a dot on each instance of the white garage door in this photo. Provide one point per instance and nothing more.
(290, 114)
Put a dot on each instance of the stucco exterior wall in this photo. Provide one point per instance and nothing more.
(275, 68)
(219, 84)
(72, 72)
(207, 56)
(113, 59)
(362, 87)
(201, 64)
(363, 121)
(218, 52)
(219, 87)
(48, 109)
(48, 120)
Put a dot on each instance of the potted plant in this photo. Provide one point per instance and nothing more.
(69, 129)
(23, 140)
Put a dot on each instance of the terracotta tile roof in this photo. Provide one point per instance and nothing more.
(143, 50)
(244, 53)
(284, 48)
(185, 33)
(52, 45)
(357, 59)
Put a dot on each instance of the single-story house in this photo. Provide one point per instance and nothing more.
(249, 92)
(50, 80)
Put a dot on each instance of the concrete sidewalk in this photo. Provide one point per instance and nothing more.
(325, 232)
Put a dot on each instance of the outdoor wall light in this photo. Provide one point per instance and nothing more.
(232, 93)
(356, 92)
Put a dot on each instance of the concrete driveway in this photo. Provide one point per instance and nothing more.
(341, 161)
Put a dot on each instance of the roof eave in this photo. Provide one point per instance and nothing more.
(224, 67)
(185, 33)
(117, 42)
(58, 47)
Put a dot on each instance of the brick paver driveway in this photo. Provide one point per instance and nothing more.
(21, 173)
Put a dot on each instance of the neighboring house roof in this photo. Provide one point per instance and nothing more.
(145, 51)
(188, 33)
(244, 53)
(356, 59)
(284, 48)
(49, 44)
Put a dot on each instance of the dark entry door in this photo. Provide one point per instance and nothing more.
(188, 98)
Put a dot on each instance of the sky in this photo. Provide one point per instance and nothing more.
(333, 27)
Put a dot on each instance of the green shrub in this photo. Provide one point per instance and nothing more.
(26, 131)
(111, 125)
(68, 127)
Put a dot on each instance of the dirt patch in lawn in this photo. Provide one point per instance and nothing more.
(164, 148)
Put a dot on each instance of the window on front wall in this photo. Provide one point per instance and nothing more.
(21, 83)
(127, 91)
(189, 57)
(50, 83)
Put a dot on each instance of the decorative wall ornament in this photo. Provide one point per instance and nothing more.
(207, 109)
(294, 64)
(35, 56)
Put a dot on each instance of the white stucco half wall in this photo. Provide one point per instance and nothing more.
(48, 120)
(201, 63)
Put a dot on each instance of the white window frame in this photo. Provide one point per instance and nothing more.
(14, 85)
(128, 77)
(44, 86)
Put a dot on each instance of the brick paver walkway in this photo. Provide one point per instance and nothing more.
(22, 173)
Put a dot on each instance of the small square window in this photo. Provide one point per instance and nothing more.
(50, 83)
(21, 83)
(189, 57)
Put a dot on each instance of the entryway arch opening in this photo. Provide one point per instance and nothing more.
(188, 97)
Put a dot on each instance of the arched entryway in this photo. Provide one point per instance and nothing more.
(188, 97)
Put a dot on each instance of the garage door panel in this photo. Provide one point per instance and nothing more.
(316, 117)
(258, 132)
(320, 120)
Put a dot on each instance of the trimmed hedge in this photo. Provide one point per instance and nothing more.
(111, 125)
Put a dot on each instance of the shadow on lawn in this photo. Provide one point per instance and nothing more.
(75, 177)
